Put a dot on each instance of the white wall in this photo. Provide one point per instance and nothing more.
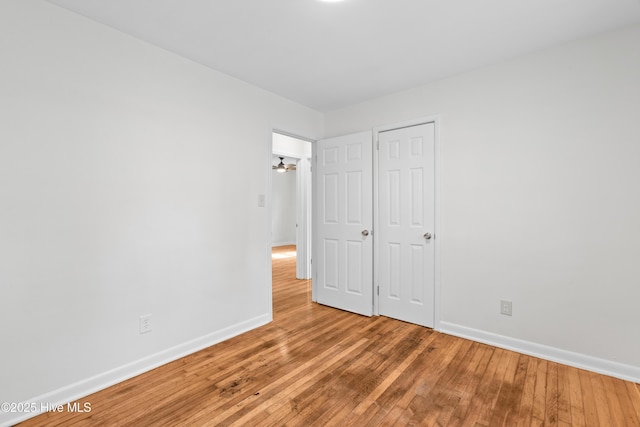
(289, 146)
(283, 208)
(114, 203)
(540, 197)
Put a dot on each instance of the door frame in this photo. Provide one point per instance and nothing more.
(437, 236)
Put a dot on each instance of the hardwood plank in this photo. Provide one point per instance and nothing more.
(564, 395)
(539, 408)
(485, 397)
(396, 401)
(388, 377)
(575, 398)
(314, 365)
(439, 401)
(633, 394)
(589, 399)
(451, 389)
(508, 405)
(620, 406)
(604, 414)
(551, 404)
(479, 365)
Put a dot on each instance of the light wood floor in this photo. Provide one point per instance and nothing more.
(315, 365)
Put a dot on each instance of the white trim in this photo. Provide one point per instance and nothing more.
(303, 219)
(438, 236)
(277, 244)
(314, 222)
(577, 360)
(106, 379)
(267, 206)
(284, 153)
(293, 135)
(376, 222)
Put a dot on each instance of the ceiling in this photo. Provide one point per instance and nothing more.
(331, 55)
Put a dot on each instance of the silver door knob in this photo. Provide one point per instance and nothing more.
(365, 232)
(427, 236)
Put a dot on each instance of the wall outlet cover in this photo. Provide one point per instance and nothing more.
(145, 324)
(506, 307)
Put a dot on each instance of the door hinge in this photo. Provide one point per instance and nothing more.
(378, 145)
(378, 290)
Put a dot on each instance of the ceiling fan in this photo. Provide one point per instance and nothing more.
(282, 167)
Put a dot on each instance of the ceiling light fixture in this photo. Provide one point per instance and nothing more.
(281, 167)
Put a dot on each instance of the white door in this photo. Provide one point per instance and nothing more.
(406, 204)
(344, 245)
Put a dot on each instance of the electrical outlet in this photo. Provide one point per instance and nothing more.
(505, 307)
(145, 324)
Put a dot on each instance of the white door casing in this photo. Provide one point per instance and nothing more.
(303, 219)
(406, 224)
(343, 260)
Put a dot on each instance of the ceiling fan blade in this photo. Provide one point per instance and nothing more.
(291, 167)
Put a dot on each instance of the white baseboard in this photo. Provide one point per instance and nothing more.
(274, 245)
(577, 360)
(99, 382)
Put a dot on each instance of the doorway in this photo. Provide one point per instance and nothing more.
(291, 195)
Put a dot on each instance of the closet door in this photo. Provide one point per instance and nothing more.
(406, 191)
(344, 217)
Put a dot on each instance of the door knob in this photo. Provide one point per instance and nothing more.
(365, 232)
(427, 236)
